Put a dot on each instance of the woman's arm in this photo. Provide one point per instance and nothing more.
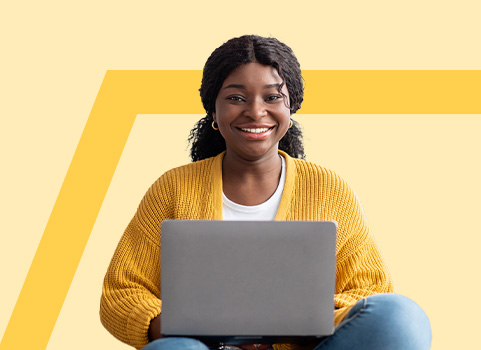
(131, 288)
(360, 268)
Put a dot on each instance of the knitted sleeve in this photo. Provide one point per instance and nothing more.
(131, 288)
(360, 269)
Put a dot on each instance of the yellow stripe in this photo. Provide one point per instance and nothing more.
(124, 94)
(392, 92)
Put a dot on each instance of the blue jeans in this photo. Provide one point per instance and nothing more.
(378, 322)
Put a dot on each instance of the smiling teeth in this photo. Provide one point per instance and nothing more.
(256, 131)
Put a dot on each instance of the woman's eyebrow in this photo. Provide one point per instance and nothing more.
(235, 86)
(270, 86)
(240, 86)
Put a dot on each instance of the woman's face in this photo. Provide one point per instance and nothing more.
(251, 113)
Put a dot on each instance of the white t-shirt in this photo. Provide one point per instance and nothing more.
(262, 212)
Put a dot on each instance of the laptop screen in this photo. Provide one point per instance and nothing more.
(238, 282)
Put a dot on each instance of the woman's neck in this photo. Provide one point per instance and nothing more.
(250, 182)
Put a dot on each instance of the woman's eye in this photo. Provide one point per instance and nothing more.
(235, 98)
(273, 98)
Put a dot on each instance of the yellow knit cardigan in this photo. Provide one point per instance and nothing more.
(131, 289)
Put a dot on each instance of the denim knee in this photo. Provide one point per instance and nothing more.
(380, 322)
(400, 318)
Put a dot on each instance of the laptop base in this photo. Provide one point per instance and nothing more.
(215, 341)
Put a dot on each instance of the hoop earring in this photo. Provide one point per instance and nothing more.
(214, 125)
(290, 123)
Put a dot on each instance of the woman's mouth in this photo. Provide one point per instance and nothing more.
(256, 134)
(256, 130)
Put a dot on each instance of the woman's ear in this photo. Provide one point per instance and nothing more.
(213, 116)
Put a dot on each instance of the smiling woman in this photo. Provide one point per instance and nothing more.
(251, 112)
(248, 164)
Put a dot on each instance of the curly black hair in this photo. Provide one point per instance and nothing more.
(207, 142)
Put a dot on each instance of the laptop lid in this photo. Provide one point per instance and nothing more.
(237, 282)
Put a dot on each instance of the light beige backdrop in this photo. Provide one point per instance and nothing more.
(416, 175)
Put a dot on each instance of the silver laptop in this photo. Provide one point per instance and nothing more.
(234, 282)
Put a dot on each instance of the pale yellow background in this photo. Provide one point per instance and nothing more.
(416, 175)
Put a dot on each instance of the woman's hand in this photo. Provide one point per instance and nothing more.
(154, 329)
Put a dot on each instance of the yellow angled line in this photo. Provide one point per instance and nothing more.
(124, 94)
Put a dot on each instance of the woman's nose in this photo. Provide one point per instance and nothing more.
(256, 109)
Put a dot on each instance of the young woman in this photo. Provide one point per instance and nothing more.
(248, 165)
